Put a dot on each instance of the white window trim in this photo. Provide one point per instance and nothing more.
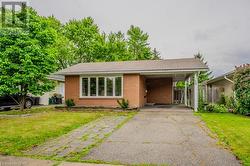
(89, 86)
(80, 87)
(105, 86)
(97, 86)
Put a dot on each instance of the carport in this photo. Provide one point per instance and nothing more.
(159, 88)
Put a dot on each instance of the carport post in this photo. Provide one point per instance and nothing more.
(185, 93)
(196, 94)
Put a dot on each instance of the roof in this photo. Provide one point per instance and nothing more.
(221, 77)
(189, 64)
(56, 77)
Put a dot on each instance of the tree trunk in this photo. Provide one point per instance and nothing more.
(23, 96)
(22, 102)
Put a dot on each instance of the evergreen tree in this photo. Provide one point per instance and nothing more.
(203, 75)
(138, 45)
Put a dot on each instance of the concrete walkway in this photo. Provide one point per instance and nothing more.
(171, 136)
(79, 139)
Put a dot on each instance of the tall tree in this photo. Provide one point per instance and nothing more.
(138, 45)
(203, 75)
(26, 59)
(116, 47)
(62, 48)
(85, 35)
(92, 46)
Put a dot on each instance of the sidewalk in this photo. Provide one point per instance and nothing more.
(23, 161)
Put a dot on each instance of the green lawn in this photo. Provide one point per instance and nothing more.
(233, 131)
(20, 133)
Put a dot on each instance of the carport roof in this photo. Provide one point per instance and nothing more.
(140, 66)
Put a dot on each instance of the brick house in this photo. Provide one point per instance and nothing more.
(141, 82)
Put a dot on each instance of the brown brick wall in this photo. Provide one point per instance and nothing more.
(142, 93)
(72, 87)
(133, 88)
(159, 90)
(72, 91)
(131, 83)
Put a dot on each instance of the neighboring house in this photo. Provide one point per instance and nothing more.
(141, 82)
(216, 87)
(59, 89)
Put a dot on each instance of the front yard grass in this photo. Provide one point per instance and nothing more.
(233, 131)
(20, 133)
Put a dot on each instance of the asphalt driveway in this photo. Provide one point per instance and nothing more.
(172, 136)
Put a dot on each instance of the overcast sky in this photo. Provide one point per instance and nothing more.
(219, 29)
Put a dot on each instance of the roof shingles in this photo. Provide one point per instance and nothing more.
(135, 66)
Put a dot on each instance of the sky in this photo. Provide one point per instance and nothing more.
(219, 29)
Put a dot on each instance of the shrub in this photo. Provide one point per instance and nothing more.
(218, 108)
(232, 104)
(242, 88)
(222, 99)
(210, 108)
(69, 103)
(124, 104)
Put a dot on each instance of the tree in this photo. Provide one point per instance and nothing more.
(203, 75)
(91, 45)
(115, 47)
(180, 85)
(138, 45)
(26, 59)
(62, 48)
(85, 36)
(156, 54)
(64, 52)
(242, 88)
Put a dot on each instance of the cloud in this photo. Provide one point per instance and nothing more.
(177, 28)
(227, 59)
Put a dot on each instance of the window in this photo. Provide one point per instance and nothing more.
(85, 87)
(93, 86)
(110, 86)
(118, 86)
(101, 86)
(61, 88)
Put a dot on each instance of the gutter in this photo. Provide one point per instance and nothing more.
(143, 72)
(228, 79)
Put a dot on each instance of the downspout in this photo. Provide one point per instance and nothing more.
(232, 83)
